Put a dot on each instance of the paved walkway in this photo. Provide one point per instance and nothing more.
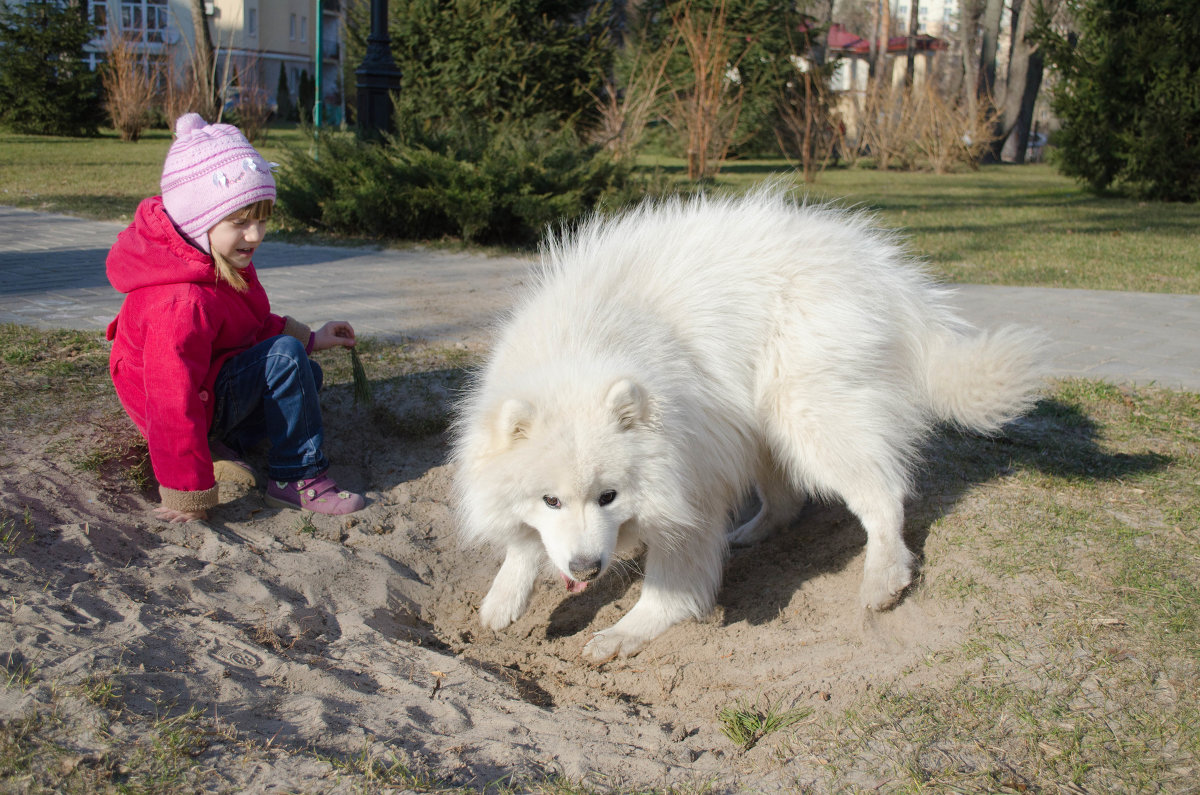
(52, 275)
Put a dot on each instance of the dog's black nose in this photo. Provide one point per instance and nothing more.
(584, 570)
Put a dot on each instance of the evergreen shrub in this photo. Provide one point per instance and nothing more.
(1128, 96)
(45, 86)
(486, 183)
(283, 96)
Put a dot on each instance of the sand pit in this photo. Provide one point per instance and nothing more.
(305, 639)
(323, 636)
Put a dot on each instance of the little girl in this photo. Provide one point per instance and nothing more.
(197, 355)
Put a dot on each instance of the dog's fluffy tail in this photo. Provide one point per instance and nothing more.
(979, 381)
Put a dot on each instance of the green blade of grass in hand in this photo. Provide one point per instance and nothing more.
(362, 387)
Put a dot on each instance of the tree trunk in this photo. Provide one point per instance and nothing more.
(989, 43)
(985, 88)
(1017, 85)
(819, 50)
(885, 33)
(971, 11)
(910, 48)
(203, 62)
(873, 43)
(1025, 68)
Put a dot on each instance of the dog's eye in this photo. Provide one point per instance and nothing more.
(553, 502)
(607, 497)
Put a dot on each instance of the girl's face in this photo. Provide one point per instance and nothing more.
(236, 236)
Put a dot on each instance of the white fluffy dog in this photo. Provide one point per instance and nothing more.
(669, 360)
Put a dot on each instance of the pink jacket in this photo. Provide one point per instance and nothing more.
(177, 326)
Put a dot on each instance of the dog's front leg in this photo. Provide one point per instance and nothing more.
(509, 595)
(681, 582)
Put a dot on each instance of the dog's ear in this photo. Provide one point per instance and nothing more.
(628, 402)
(512, 422)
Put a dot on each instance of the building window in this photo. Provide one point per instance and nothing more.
(145, 19)
(303, 28)
(251, 21)
(292, 27)
(100, 18)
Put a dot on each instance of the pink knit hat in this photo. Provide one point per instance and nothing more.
(211, 171)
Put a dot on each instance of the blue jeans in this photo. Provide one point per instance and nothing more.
(270, 391)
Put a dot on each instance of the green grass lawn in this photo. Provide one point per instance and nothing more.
(102, 178)
(1015, 225)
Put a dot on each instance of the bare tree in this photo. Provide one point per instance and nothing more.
(808, 126)
(985, 87)
(253, 106)
(180, 91)
(910, 45)
(1025, 68)
(625, 108)
(971, 11)
(204, 67)
(881, 23)
(706, 109)
(128, 87)
(823, 12)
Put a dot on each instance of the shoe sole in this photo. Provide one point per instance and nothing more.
(275, 502)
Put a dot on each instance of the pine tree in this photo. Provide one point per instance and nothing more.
(45, 86)
(283, 97)
(1128, 95)
(483, 61)
(306, 95)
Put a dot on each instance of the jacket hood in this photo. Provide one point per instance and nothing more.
(151, 251)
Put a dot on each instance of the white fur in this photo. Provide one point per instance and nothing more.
(685, 352)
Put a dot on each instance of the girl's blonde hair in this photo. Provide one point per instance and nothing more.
(258, 211)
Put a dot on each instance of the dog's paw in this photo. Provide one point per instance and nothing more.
(882, 587)
(500, 608)
(611, 643)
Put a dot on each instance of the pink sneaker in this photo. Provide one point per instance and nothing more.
(319, 494)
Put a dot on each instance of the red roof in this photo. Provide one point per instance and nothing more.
(843, 41)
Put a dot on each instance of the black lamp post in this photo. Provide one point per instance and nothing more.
(377, 77)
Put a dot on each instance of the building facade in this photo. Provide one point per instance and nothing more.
(254, 40)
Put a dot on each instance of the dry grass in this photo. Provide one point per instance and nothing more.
(1082, 564)
(47, 377)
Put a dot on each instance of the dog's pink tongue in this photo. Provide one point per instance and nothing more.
(573, 586)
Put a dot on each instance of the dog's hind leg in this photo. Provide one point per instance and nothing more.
(681, 582)
(509, 595)
(888, 569)
(856, 450)
(778, 506)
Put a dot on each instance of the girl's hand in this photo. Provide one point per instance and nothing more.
(333, 334)
(170, 515)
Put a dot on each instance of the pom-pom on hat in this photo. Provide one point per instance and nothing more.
(211, 171)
